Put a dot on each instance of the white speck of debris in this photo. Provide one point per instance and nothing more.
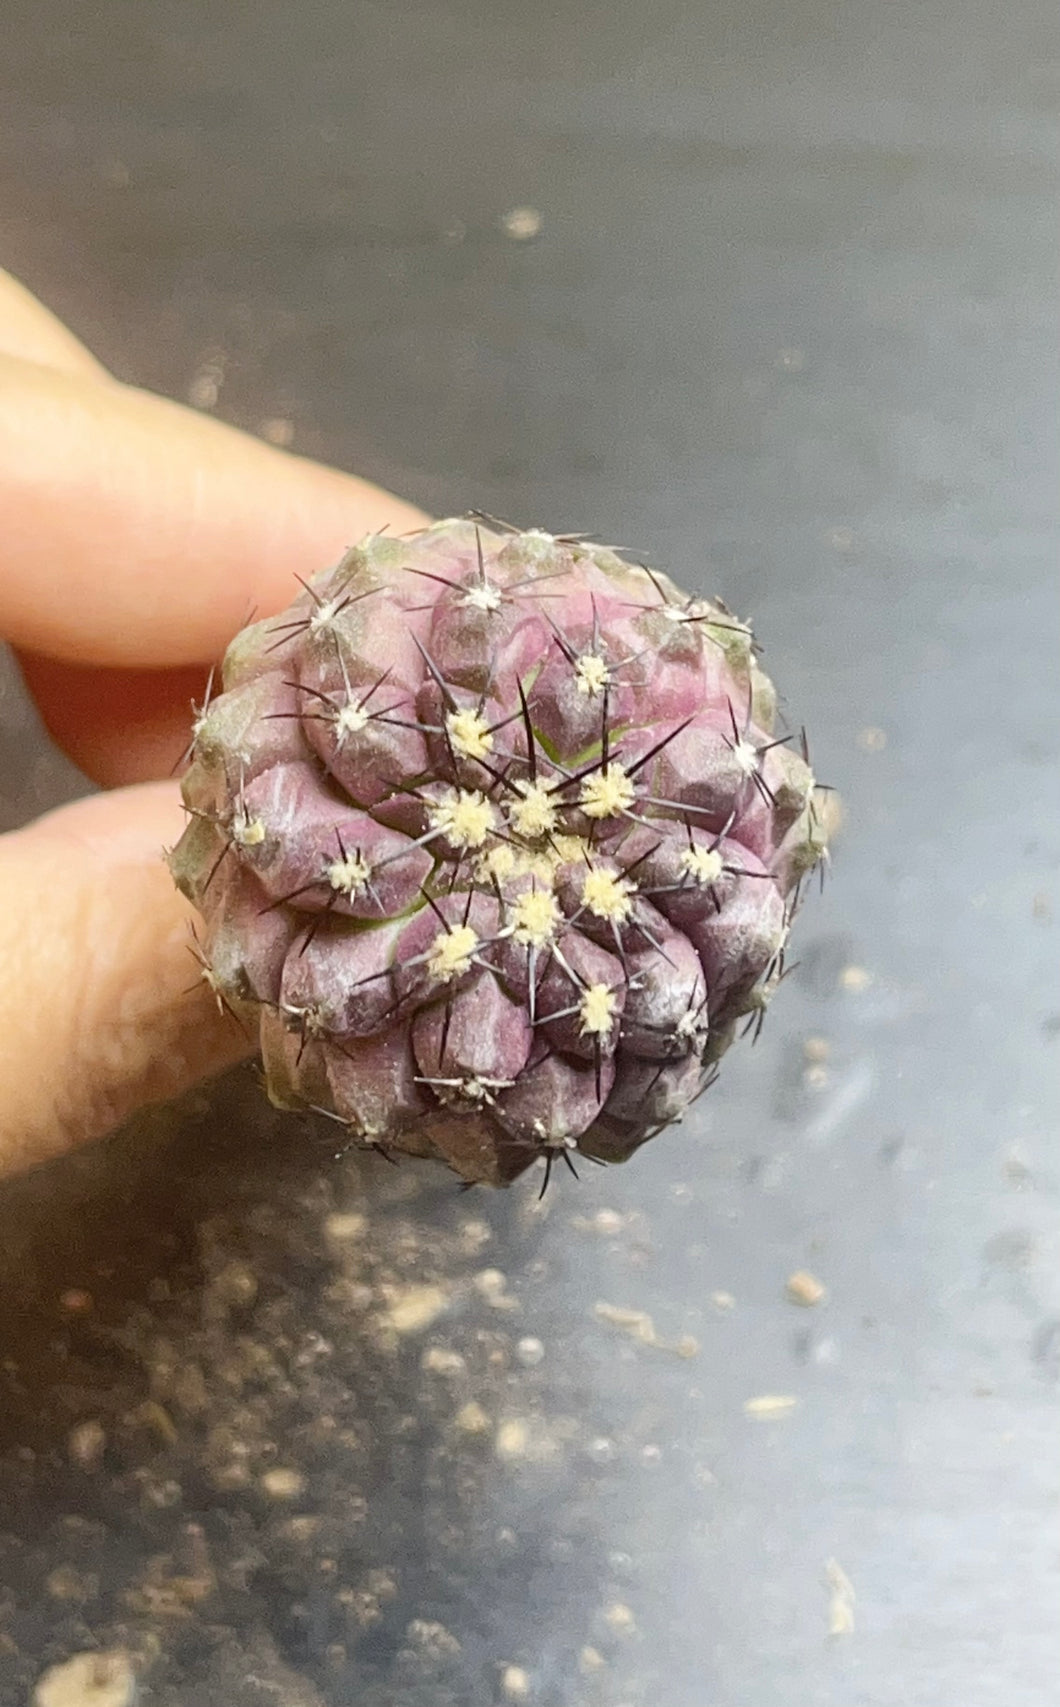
(855, 979)
(85, 1444)
(492, 1284)
(723, 1300)
(235, 1285)
(521, 224)
(816, 1050)
(278, 430)
(651, 1455)
(841, 1598)
(515, 1683)
(590, 1661)
(472, 1419)
(769, 1405)
(414, 1309)
(529, 1351)
(475, 1234)
(283, 1484)
(344, 1226)
(791, 360)
(606, 1222)
(601, 1450)
(439, 1360)
(619, 1618)
(640, 1327)
(76, 1301)
(513, 1439)
(433, 1638)
(206, 382)
(102, 1679)
(872, 740)
(805, 1289)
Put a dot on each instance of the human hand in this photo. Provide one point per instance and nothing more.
(137, 537)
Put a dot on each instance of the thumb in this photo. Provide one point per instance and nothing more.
(100, 1007)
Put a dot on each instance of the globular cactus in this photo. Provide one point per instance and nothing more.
(494, 845)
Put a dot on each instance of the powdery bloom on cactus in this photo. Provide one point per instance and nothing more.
(495, 845)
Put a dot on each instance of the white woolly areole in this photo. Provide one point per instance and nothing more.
(350, 720)
(607, 895)
(465, 819)
(746, 757)
(483, 595)
(324, 615)
(691, 1026)
(536, 916)
(596, 1010)
(693, 611)
(533, 814)
(469, 734)
(592, 673)
(553, 1138)
(449, 955)
(350, 875)
(247, 832)
(702, 865)
(606, 793)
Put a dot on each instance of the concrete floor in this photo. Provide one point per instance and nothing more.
(788, 326)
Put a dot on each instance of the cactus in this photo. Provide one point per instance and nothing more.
(495, 845)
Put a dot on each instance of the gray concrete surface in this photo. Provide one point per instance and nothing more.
(788, 326)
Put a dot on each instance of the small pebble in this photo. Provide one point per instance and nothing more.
(521, 224)
(102, 1679)
(472, 1419)
(872, 740)
(283, 1484)
(513, 1439)
(855, 979)
(278, 430)
(515, 1683)
(76, 1301)
(619, 1618)
(529, 1351)
(415, 1309)
(805, 1289)
(439, 1360)
(771, 1405)
(432, 1638)
(86, 1443)
(841, 1599)
(344, 1226)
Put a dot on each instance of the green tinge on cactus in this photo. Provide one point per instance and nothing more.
(494, 845)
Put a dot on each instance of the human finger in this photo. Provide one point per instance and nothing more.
(118, 726)
(140, 533)
(33, 333)
(96, 1013)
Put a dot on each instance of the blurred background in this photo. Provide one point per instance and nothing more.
(767, 292)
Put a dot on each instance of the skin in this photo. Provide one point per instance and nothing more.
(137, 537)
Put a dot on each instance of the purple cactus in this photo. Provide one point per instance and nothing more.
(494, 845)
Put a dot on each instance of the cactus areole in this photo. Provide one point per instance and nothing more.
(495, 845)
